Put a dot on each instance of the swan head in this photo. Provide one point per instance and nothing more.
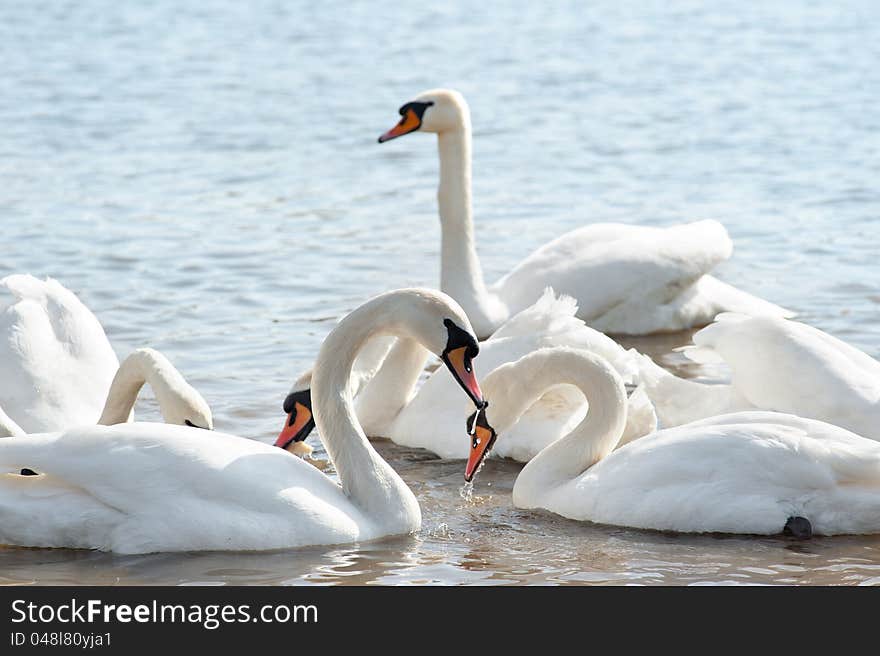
(514, 387)
(441, 325)
(299, 422)
(179, 402)
(483, 438)
(501, 386)
(458, 354)
(188, 408)
(436, 111)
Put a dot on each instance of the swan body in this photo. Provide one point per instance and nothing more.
(430, 418)
(626, 279)
(778, 365)
(56, 363)
(145, 487)
(746, 472)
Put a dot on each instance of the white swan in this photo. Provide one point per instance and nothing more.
(430, 417)
(748, 472)
(143, 487)
(56, 364)
(627, 279)
(775, 364)
(178, 401)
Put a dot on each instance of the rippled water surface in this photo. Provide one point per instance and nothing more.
(208, 180)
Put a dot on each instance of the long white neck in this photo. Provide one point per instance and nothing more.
(383, 397)
(8, 428)
(460, 273)
(515, 387)
(366, 478)
(142, 366)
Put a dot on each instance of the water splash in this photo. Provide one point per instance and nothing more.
(466, 492)
(441, 531)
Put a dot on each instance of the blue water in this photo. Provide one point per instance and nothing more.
(208, 180)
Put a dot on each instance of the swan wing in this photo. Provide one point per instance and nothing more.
(634, 279)
(791, 367)
(603, 265)
(56, 364)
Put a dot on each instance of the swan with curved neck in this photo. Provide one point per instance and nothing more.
(230, 493)
(178, 401)
(627, 279)
(745, 472)
(388, 405)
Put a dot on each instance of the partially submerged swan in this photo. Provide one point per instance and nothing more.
(56, 363)
(747, 472)
(775, 364)
(626, 279)
(144, 487)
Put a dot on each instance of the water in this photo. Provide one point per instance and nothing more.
(208, 180)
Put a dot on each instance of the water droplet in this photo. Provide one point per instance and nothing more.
(466, 492)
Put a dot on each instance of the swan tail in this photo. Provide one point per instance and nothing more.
(552, 312)
(852, 462)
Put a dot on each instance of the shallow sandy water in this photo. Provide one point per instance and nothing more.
(209, 183)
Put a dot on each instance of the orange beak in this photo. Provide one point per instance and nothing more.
(409, 123)
(459, 363)
(297, 427)
(483, 437)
